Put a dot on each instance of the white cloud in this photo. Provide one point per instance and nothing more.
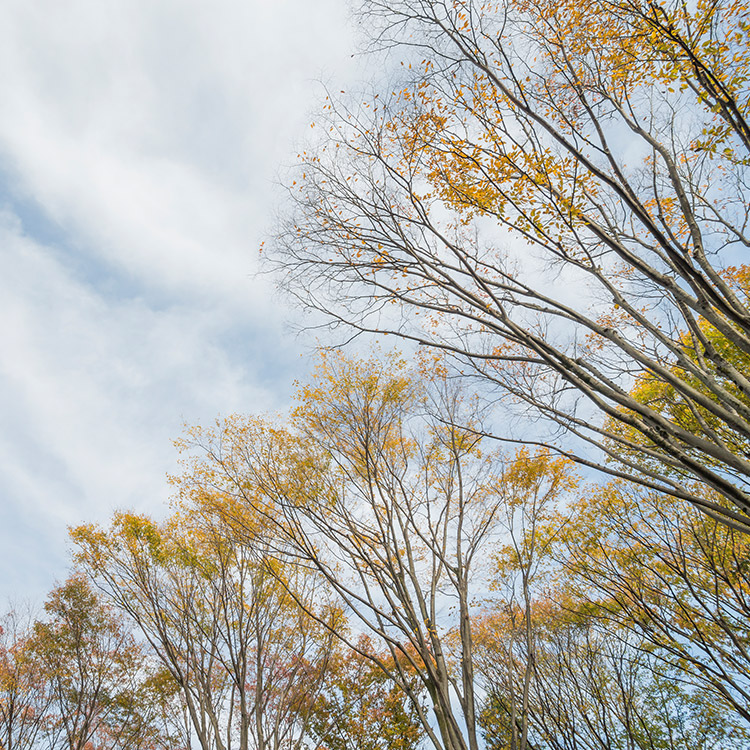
(138, 145)
(93, 389)
(152, 130)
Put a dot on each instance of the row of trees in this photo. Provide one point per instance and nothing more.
(372, 574)
(209, 652)
(77, 678)
(555, 198)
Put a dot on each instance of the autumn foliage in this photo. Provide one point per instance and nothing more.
(372, 572)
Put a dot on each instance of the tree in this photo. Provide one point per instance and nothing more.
(619, 621)
(94, 672)
(381, 485)
(25, 695)
(360, 708)
(669, 577)
(390, 510)
(224, 621)
(557, 198)
(535, 485)
(595, 687)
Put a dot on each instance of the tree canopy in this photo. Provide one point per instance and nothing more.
(556, 195)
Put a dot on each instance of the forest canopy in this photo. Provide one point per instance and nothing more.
(373, 572)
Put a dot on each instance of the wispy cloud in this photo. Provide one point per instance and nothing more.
(138, 147)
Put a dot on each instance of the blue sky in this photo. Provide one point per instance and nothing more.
(139, 145)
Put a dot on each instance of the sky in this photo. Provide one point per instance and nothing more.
(140, 147)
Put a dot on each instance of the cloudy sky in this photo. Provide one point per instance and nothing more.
(139, 145)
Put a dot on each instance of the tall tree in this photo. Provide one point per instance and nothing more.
(94, 671)
(381, 484)
(595, 687)
(535, 485)
(25, 695)
(557, 196)
(226, 623)
(670, 577)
